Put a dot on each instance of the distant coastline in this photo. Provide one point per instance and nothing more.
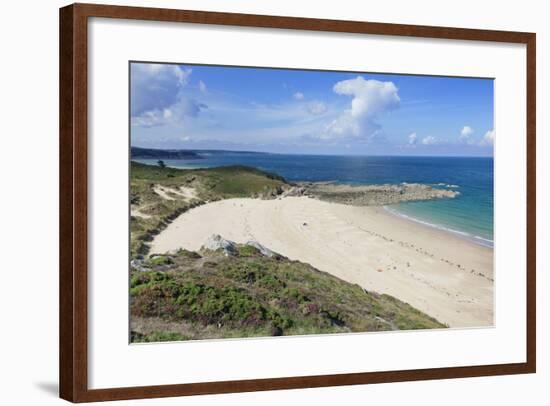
(151, 153)
(176, 154)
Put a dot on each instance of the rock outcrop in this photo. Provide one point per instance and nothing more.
(263, 250)
(371, 195)
(216, 242)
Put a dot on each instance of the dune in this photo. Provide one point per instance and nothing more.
(443, 275)
(167, 193)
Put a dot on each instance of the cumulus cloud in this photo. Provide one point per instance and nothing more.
(465, 133)
(429, 140)
(298, 96)
(488, 138)
(412, 139)
(156, 95)
(370, 99)
(155, 86)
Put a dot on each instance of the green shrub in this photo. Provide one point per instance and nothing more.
(253, 295)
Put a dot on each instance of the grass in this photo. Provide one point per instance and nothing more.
(211, 183)
(193, 296)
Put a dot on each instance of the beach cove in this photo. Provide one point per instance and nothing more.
(444, 275)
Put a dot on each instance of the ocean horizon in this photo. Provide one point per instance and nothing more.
(469, 215)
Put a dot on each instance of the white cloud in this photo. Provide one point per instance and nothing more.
(412, 139)
(467, 130)
(156, 95)
(371, 98)
(429, 140)
(173, 114)
(488, 138)
(298, 96)
(155, 86)
(202, 86)
(465, 133)
(317, 108)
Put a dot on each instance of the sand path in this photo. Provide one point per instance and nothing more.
(443, 275)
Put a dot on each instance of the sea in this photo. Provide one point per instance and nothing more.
(470, 214)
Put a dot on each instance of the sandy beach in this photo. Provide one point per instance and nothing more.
(443, 275)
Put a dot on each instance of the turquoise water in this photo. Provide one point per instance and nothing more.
(470, 214)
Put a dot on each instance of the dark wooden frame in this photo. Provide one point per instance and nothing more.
(73, 198)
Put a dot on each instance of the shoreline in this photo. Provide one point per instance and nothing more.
(441, 273)
(476, 239)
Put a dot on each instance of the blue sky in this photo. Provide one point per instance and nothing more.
(309, 112)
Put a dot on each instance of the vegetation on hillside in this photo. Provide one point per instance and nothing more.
(209, 294)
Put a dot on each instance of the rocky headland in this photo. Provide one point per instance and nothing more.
(370, 195)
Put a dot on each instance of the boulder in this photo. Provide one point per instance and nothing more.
(216, 242)
(264, 251)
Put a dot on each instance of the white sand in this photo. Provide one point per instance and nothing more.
(162, 192)
(434, 271)
(187, 193)
(135, 212)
